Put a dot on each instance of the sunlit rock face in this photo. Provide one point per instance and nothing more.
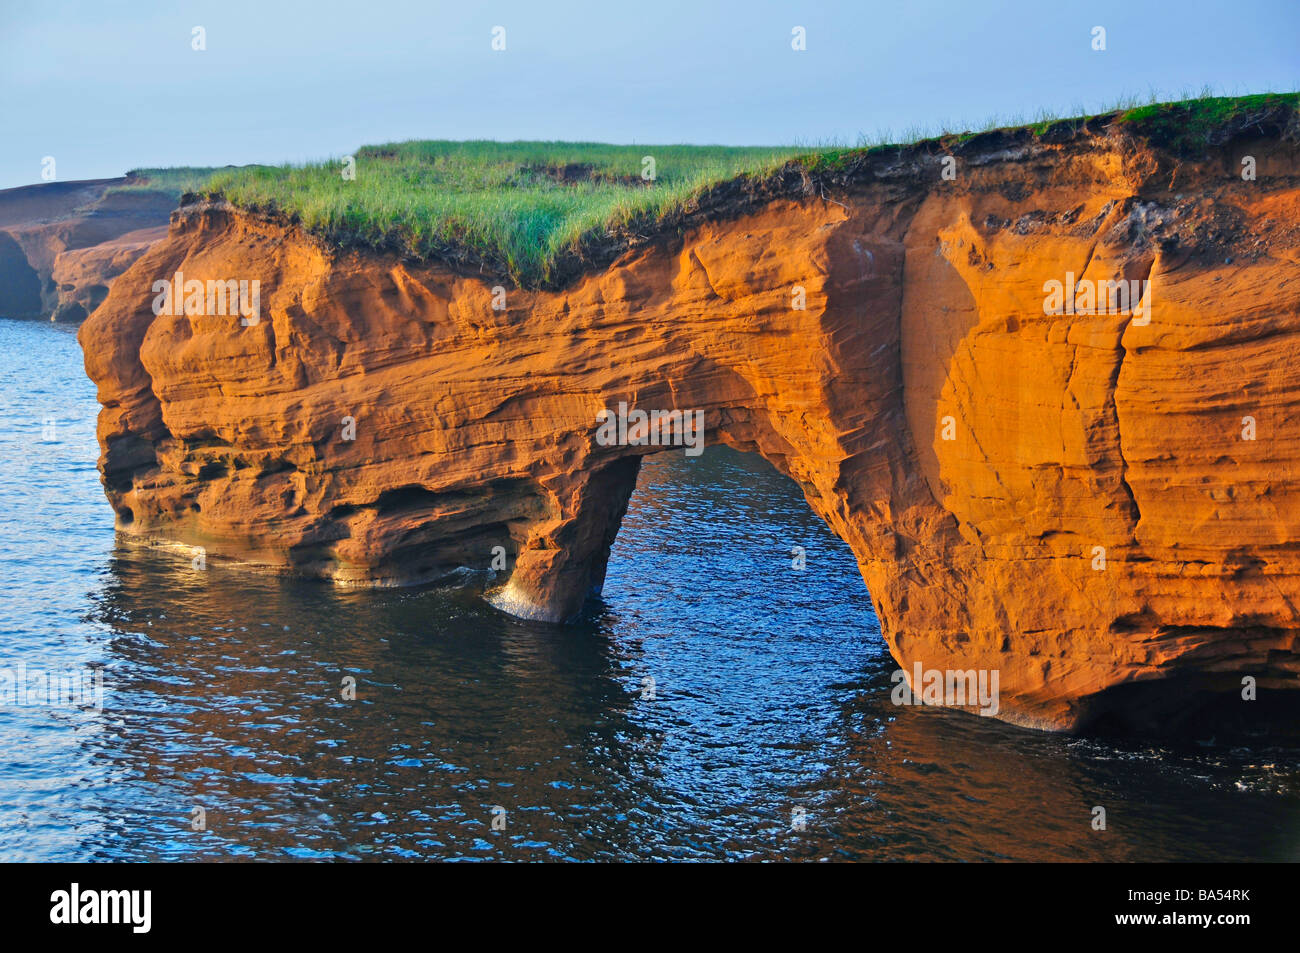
(1090, 494)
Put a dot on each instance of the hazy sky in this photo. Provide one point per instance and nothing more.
(104, 86)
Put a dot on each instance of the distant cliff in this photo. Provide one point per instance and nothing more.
(1042, 384)
(62, 244)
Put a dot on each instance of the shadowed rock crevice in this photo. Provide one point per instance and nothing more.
(20, 285)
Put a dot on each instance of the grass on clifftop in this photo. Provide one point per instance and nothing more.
(518, 203)
(524, 206)
(1190, 124)
(173, 182)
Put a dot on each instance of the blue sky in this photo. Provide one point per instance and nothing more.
(106, 86)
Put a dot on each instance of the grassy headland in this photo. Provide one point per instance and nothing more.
(517, 203)
(526, 207)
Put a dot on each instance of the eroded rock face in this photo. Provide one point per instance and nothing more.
(1079, 502)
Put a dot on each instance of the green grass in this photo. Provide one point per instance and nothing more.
(1187, 126)
(507, 202)
(173, 182)
(526, 208)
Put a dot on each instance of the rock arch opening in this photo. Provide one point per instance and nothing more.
(727, 540)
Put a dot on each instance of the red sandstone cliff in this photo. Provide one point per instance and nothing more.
(973, 451)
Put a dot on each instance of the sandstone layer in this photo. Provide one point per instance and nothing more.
(1102, 508)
